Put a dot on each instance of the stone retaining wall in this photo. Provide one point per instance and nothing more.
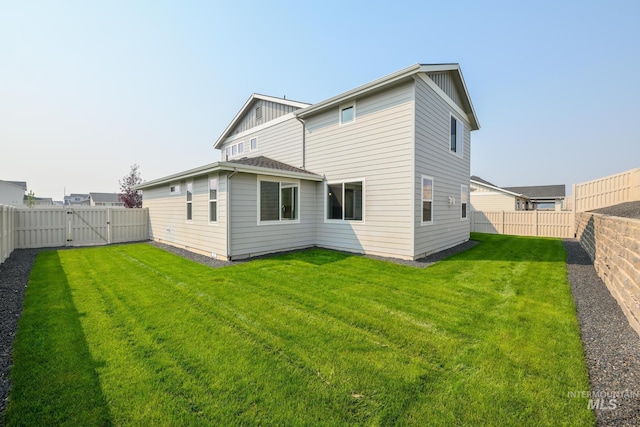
(613, 244)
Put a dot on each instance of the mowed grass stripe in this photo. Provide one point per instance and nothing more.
(319, 337)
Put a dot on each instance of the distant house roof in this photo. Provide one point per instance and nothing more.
(479, 181)
(105, 197)
(21, 184)
(540, 191)
(255, 165)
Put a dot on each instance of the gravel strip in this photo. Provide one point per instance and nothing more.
(625, 210)
(14, 275)
(611, 346)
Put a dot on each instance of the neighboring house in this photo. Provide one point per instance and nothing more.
(381, 169)
(105, 199)
(79, 199)
(39, 201)
(543, 196)
(12, 193)
(486, 196)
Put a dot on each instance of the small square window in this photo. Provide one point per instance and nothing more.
(347, 113)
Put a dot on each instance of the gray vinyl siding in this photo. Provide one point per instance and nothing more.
(281, 142)
(270, 110)
(251, 239)
(434, 158)
(448, 86)
(167, 217)
(376, 147)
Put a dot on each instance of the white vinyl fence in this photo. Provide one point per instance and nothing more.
(78, 226)
(607, 191)
(525, 223)
(7, 228)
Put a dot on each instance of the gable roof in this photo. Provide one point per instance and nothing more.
(20, 184)
(396, 77)
(540, 191)
(477, 179)
(105, 197)
(255, 165)
(247, 106)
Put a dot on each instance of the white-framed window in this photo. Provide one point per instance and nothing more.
(234, 149)
(427, 199)
(241, 147)
(189, 200)
(278, 201)
(174, 188)
(464, 201)
(253, 143)
(456, 136)
(345, 201)
(348, 113)
(228, 152)
(213, 199)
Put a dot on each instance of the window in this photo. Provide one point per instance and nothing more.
(228, 152)
(213, 199)
(234, 150)
(174, 189)
(189, 201)
(278, 201)
(427, 199)
(344, 201)
(254, 143)
(456, 137)
(464, 200)
(348, 113)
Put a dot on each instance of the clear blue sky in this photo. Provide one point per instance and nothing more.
(88, 88)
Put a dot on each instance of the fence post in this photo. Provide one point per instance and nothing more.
(109, 226)
(502, 224)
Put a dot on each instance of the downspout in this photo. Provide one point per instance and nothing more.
(231, 175)
(304, 143)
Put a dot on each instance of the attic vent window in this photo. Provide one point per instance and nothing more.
(347, 113)
(258, 113)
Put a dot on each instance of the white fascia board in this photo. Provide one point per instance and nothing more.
(281, 100)
(201, 170)
(358, 91)
(258, 128)
(498, 189)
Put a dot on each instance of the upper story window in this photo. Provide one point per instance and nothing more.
(347, 113)
(174, 189)
(254, 143)
(240, 147)
(456, 136)
(345, 201)
(278, 201)
(228, 152)
(234, 150)
(427, 199)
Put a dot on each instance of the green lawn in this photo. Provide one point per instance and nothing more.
(133, 335)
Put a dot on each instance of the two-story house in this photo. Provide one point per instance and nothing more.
(381, 169)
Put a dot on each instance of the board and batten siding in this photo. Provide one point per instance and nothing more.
(248, 238)
(168, 218)
(433, 158)
(268, 110)
(377, 148)
(281, 142)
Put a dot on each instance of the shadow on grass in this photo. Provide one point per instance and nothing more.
(53, 375)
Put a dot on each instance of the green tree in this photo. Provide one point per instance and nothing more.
(31, 199)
